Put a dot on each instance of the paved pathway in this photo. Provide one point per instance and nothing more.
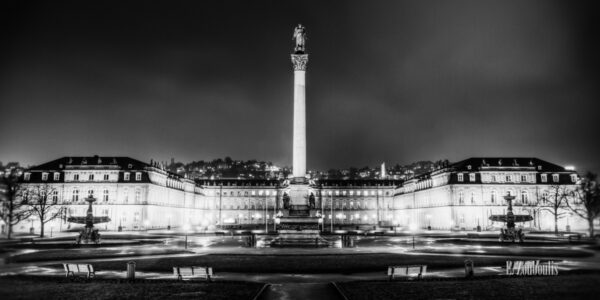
(291, 291)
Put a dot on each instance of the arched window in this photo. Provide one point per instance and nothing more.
(545, 197)
(461, 197)
(105, 196)
(493, 197)
(138, 194)
(524, 197)
(75, 195)
(54, 197)
(472, 197)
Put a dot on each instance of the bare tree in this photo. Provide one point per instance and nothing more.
(555, 202)
(586, 202)
(14, 200)
(44, 204)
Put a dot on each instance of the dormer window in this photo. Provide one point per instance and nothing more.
(539, 168)
(44, 176)
(573, 178)
(84, 161)
(130, 166)
(56, 176)
(27, 176)
(138, 176)
(460, 177)
(555, 177)
(472, 177)
(126, 176)
(469, 167)
(544, 177)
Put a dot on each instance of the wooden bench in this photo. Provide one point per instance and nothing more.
(193, 272)
(410, 271)
(74, 270)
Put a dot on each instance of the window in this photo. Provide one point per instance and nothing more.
(461, 197)
(27, 176)
(554, 177)
(76, 177)
(54, 197)
(105, 196)
(126, 176)
(91, 193)
(138, 176)
(493, 178)
(126, 192)
(105, 176)
(472, 197)
(523, 178)
(544, 178)
(493, 197)
(524, 197)
(44, 176)
(460, 177)
(91, 177)
(472, 177)
(573, 178)
(137, 196)
(75, 195)
(545, 197)
(508, 178)
(56, 176)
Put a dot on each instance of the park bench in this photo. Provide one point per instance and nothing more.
(193, 272)
(409, 271)
(75, 270)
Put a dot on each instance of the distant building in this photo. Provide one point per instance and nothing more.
(138, 195)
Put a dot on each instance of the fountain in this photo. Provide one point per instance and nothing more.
(89, 233)
(510, 234)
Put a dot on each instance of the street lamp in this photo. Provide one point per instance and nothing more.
(428, 222)
(186, 228)
(413, 228)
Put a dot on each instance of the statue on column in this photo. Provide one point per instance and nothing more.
(311, 200)
(300, 37)
(286, 201)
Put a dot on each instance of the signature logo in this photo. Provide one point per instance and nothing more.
(531, 267)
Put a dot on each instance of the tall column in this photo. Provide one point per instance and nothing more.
(299, 147)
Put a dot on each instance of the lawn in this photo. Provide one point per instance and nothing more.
(35, 287)
(575, 286)
(90, 253)
(334, 263)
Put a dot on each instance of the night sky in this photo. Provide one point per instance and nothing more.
(393, 81)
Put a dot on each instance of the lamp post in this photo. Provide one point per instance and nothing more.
(266, 218)
(331, 216)
(186, 227)
(413, 229)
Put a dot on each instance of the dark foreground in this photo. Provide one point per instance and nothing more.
(575, 286)
(36, 287)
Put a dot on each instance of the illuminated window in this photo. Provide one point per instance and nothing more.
(573, 178)
(44, 176)
(27, 176)
(544, 178)
(138, 193)
(138, 176)
(472, 177)
(75, 195)
(56, 176)
(461, 197)
(555, 177)
(105, 196)
(524, 197)
(126, 176)
(460, 177)
(54, 196)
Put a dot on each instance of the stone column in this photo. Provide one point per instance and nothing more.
(299, 148)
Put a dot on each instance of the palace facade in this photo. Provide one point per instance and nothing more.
(460, 196)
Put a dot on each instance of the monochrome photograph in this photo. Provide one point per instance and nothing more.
(300, 149)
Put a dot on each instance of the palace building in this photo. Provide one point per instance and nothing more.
(459, 196)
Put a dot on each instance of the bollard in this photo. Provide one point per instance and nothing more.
(469, 272)
(131, 270)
